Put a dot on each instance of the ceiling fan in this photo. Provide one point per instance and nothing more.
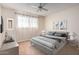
(40, 7)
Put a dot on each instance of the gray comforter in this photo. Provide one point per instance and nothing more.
(51, 43)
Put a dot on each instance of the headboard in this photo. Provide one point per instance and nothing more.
(59, 34)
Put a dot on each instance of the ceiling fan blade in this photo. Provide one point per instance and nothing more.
(44, 9)
(40, 7)
(34, 6)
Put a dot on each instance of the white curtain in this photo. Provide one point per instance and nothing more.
(27, 21)
(33, 22)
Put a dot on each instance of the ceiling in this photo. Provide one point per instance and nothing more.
(27, 7)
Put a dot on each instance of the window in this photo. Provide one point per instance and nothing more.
(27, 21)
(33, 22)
(22, 21)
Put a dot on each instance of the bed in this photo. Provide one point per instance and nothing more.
(51, 42)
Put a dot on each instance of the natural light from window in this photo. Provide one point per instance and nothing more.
(27, 21)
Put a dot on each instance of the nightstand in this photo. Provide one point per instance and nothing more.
(72, 42)
(73, 39)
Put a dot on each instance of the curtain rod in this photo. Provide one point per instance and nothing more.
(25, 14)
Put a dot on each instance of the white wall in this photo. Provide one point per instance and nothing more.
(9, 13)
(71, 15)
(22, 34)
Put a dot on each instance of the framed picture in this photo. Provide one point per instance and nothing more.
(10, 23)
(60, 25)
(63, 25)
(56, 25)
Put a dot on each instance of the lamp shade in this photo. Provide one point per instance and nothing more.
(71, 34)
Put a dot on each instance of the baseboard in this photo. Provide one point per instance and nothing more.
(22, 41)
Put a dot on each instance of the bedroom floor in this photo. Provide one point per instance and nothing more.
(25, 48)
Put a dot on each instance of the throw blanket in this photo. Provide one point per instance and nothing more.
(46, 41)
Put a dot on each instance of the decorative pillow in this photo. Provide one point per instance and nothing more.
(61, 34)
(58, 34)
(51, 33)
